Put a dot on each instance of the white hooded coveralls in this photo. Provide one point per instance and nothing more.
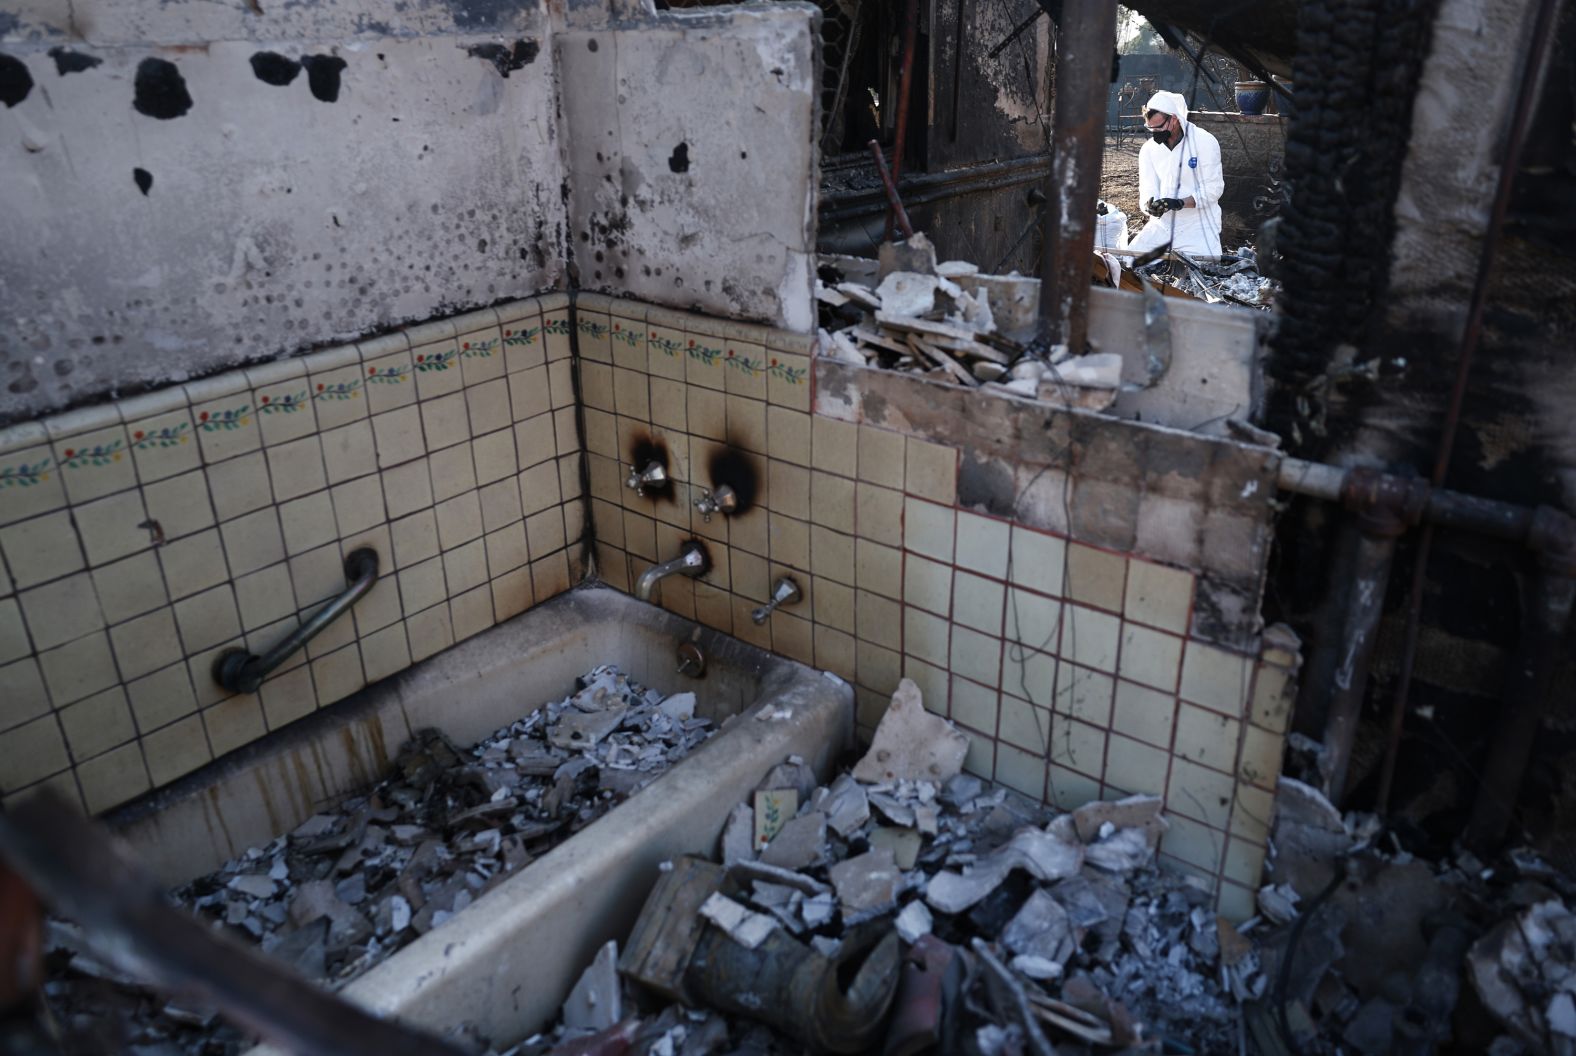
(1191, 169)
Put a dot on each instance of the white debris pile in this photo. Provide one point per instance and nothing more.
(1068, 912)
(1232, 279)
(351, 886)
(949, 322)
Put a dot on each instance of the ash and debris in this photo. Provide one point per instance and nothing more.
(1056, 924)
(1394, 952)
(1234, 278)
(352, 886)
(1057, 933)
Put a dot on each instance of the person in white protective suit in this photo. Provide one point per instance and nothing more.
(1179, 182)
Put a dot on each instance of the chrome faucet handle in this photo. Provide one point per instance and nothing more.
(784, 592)
(639, 479)
(724, 501)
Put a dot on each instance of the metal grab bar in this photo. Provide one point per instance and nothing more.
(242, 672)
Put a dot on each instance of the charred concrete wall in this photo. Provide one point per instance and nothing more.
(1379, 387)
(191, 185)
(677, 196)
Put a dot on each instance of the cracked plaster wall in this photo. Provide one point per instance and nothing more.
(275, 219)
(691, 160)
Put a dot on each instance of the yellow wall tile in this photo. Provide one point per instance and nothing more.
(113, 778)
(881, 456)
(927, 584)
(1207, 737)
(175, 750)
(1158, 596)
(1150, 657)
(932, 471)
(1215, 677)
(834, 446)
(879, 514)
(832, 555)
(1200, 793)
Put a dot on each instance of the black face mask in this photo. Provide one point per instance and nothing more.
(1161, 135)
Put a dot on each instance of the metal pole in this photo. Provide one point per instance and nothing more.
(904, 87)
(1086, 39)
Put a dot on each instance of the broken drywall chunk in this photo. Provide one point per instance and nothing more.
(907, 293)
(584, 729)
(738, 835)
(1122, 851)
(911, 744)
(680, 707)
(744, 927)
(914, 921)
(253, 885)
(867, 883)
(799, 843)
(912, 254)
(903, 843)
(1044, 855)
(596, 1002)
(1130, 812)
(846, 805)
(1042, 932)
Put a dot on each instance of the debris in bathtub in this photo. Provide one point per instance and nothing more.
(351, 886)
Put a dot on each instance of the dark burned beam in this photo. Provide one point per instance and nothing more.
(1086, 41)
(922, 188)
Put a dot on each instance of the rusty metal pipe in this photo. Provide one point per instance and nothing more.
(1370, 577)
(1443, 507)
(891, 190)
(1385, 506)
(905, 84)
(1087, 38)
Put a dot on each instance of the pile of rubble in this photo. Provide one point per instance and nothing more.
(1376, 951)
(1234, 278)
(908, 907)
(350, 887)
(950, 322)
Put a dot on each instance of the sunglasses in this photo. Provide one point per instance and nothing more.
(1150, 115)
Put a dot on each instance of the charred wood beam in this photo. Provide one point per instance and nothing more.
(923, 188)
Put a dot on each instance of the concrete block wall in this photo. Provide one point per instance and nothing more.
(142, 538)
(1080, 594)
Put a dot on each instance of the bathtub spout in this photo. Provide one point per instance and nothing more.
(692, 561)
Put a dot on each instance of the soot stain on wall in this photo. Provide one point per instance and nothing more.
(270, 67)
(15, 81)
(144, 180)
(160, 90)
(644, 451)
(68, 61)
(733, 467)
(322, 75)
(506, 60)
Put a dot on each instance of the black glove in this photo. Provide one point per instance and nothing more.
(1161, 206)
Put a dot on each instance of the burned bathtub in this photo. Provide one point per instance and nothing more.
(504, 965)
